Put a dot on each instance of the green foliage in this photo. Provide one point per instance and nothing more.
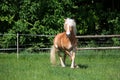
(116, 24)
(47, 17)
(8, 40)
(116, 41)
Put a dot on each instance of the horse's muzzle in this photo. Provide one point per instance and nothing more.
(68, 34)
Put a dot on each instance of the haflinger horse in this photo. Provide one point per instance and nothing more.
(66, 42)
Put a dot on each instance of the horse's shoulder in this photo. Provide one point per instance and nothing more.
(60, 35)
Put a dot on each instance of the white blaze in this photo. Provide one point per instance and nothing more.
(68, 30)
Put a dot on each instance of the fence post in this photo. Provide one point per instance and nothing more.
(17, 45)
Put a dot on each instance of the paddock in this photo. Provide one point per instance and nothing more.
(94, 64)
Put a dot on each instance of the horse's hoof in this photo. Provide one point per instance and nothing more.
(76, 66)
(72, 67)
(63, 66)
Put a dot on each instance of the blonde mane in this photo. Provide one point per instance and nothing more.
(72, 23)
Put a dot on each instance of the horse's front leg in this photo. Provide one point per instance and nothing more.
(61, 60)
(64, 58)
(72, 59)
(73, 65)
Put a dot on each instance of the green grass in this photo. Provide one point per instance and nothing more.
(94, 65)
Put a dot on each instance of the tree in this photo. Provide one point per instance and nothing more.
(47, 17)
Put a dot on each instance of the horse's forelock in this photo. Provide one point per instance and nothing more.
(72, 23)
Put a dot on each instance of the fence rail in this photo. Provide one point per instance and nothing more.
(84, 48)
(98, 48)
(98, 36)
(79, 37)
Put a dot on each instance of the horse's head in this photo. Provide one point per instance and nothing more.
(70, 26)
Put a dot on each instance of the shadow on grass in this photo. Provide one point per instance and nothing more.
(79, 66)
(82, 66)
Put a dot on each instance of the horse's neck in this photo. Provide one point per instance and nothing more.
(73, 34)
(73, 39)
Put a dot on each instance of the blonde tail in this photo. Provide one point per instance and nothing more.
(52, 55)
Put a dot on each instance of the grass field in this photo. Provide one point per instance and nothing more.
(94, 65)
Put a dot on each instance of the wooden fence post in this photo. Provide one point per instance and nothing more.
(17, 45)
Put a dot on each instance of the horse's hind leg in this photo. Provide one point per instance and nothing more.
(61, 60)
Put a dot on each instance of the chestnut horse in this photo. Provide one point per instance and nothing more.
(66, 42)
